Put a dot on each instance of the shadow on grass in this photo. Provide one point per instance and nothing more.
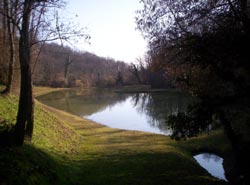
(143, 169)
(30, 165)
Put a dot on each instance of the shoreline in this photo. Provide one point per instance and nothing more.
(146, 90)
(96, 154)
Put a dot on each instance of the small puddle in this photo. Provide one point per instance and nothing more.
(212, 163)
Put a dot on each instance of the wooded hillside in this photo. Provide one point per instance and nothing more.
(59, 66)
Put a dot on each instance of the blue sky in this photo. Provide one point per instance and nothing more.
(111, 25)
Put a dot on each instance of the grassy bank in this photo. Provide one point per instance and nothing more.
(67, 149)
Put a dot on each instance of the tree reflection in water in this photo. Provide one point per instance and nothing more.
(198, 119)
(174, 114)
(158, 106)
(84, 102)
(234, 117)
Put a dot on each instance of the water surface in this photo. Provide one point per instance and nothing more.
(141, 111)
(212, 163)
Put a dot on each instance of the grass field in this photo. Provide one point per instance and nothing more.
(67, 149)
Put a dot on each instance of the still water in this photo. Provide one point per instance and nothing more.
(141, 111)
(134, 111)
(212, 163)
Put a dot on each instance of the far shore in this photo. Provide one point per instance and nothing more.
(143, 89)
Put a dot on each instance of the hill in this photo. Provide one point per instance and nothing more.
(61, 66)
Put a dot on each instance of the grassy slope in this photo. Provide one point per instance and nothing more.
(67, 149)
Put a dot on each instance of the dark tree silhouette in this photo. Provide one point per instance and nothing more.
(9, 13)
(25, 116)
(201, 46)
(28, 33)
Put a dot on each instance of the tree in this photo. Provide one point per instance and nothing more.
(25, 116)
(119, 79)
(3, 44)
(10, 13)
(201, 36)
(66, 70)
(201, 45)
(29, 35)
(171, 20)
(134, 69)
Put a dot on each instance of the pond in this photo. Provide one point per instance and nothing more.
(133, 111)
(212, 163)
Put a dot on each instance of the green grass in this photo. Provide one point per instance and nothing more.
(67, 149)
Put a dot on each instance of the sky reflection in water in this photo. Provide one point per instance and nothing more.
(125, 115)
(142, 111)
(212, 163)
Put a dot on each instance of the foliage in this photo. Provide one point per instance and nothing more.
(189, 37)
(201, 46)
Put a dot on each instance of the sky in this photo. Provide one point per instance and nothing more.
(111, 25)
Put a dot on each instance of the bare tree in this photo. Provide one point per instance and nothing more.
(66, 70)
(10, 10)
(29, 35)
(25, 116)
(3, 39)
(134, 69)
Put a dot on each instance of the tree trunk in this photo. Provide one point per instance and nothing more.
(3, 46)
(25, 119)
(240, 150)
(66, 71)
(12, 48)
(134, 70)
